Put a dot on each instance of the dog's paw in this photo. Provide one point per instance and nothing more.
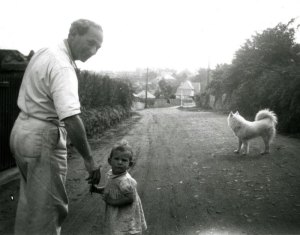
(236, 151)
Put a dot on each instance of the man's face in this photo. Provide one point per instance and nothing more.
(85, 46)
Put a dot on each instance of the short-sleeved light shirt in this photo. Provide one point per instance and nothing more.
(49, 90)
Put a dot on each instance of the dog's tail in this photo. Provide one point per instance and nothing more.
(266, 113)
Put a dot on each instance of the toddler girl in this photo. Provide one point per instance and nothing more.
(124, 213)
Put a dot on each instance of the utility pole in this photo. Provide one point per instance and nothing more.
(181, 105)
(207, 96)
(146, 106)
(208, 70)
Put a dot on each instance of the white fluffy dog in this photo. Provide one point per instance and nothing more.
(263, 126)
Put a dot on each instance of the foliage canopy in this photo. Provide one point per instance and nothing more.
(265, 73)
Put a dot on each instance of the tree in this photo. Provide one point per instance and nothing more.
(265, 74)
(167, 90)
(201, 77)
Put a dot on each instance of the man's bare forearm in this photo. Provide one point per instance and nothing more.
(77, 135)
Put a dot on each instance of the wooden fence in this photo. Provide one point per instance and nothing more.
(9, 88)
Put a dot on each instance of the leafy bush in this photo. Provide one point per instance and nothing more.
(202, 100)
(98, 91)
(99, 119)
(104, 101)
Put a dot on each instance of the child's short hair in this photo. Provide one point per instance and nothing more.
(122, 146)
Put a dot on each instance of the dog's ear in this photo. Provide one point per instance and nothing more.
(230, 114)
(237, 112)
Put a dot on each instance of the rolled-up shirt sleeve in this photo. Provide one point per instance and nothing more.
(64, 92)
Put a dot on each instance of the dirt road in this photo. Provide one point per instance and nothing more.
(189, 179)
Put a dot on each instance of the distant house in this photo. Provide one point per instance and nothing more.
(197, 87)
(187, 90)
(140, 100)
(142, 95)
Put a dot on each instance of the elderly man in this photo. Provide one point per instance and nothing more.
(50, 108)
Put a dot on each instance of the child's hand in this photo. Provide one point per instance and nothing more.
(121, 201)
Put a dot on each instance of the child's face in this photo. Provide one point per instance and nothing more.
(120, 162)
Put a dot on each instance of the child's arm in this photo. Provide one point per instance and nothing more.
(126, 199)
(95, 189)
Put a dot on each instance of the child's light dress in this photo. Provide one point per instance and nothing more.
(127, 219)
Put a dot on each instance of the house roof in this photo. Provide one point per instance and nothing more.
(186, 89)
(187, 85)
(142, 94)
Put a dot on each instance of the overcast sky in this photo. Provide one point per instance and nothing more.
(179, 34)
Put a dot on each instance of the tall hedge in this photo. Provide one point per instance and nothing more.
(104, 101)
(97, 90)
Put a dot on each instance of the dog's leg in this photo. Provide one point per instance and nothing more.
(266, 140)
(239, 147)
(245, 147)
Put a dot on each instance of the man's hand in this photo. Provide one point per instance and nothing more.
(93, 169)
(94, 176)
(95, 189)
